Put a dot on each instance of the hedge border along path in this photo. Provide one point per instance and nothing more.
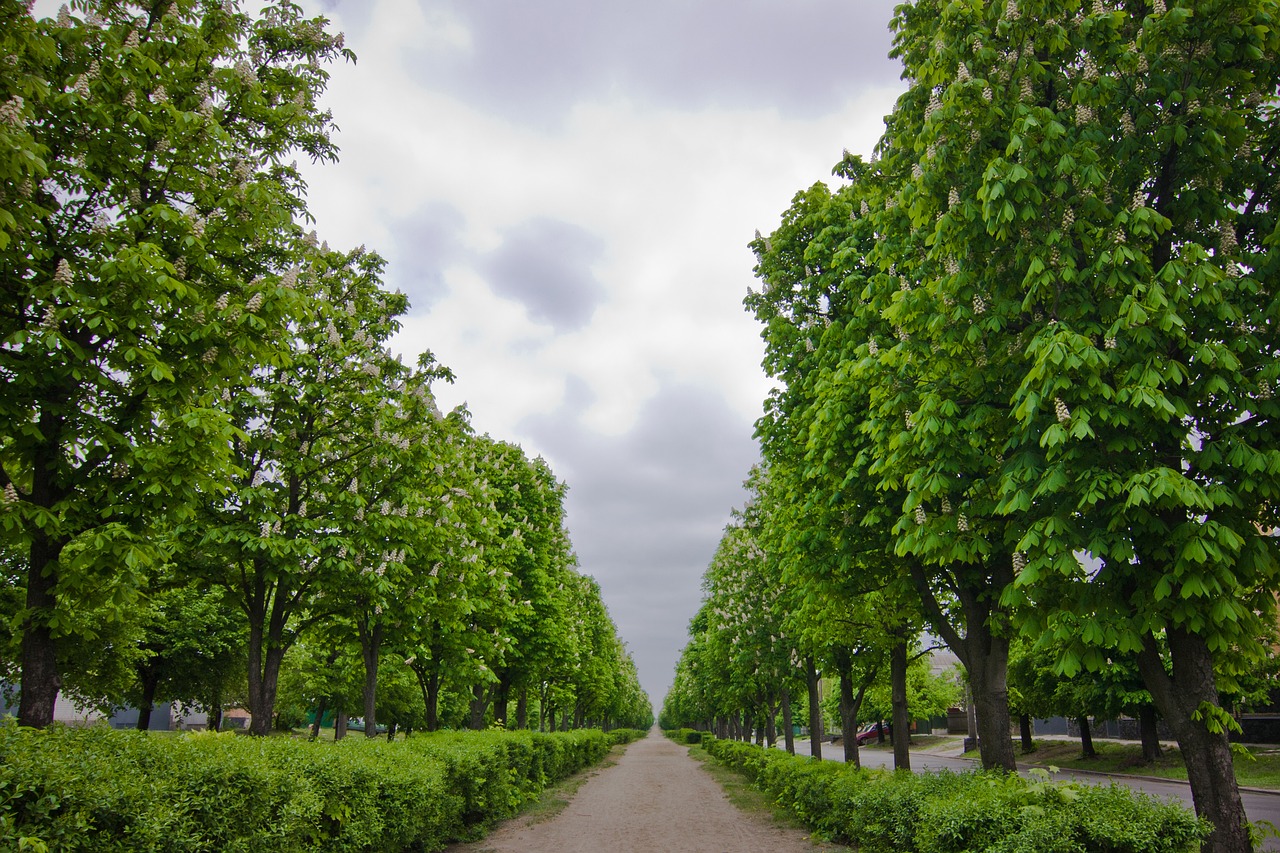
(67, 790)
(885, 812)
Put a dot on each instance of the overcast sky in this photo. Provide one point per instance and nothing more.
(566, 190)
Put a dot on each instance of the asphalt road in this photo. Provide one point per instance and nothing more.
(1258, 805)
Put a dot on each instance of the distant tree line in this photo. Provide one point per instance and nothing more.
(217, 485)
(1026, 361)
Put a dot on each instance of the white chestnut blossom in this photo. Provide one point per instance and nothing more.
(11, 112)
(1061, 411)
(62, 275)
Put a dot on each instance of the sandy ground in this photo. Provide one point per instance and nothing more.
(656, 798)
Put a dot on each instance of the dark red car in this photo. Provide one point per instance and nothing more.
(870, 732)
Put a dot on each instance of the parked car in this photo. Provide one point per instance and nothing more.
(870, 732)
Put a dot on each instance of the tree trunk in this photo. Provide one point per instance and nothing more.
(479, 705)
(322, 707)
(901, 727)
(215, 710)
(41, 679)
(1148, 731)
(815, 709)
(1210, 769)
(370, 649)
(982, 648)
(1024, 728)
(788, 735)
(391, 732)
(748, 726)
(849, 704)
(340, 725)
(770, 724)
(522, 708)
(266, 650)
(991, 701)
(1086, 738)
(149, 679)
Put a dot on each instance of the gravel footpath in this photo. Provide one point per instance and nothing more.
(656, 798)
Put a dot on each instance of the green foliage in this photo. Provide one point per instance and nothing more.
(624, 736)
(945, 812)
(94, 789)
(688, 736)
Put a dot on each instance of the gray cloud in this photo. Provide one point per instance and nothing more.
(545, 264)
(646, 509)
(533, 61)
(425, 243)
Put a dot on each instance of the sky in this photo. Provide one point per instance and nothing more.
(566, 191)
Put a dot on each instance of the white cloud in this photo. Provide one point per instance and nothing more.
(671, 196)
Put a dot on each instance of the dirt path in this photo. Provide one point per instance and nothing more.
(656, 798)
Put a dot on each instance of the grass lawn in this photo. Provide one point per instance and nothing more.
(1258, 768)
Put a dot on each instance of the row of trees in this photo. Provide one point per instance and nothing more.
(771, 633)
(208, 451)
(1027, 355)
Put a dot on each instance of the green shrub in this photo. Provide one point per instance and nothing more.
(617, 736)
(95, 789)
(885, 812)
(687, 735)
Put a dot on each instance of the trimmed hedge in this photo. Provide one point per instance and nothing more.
(885, 812)
(623, 736)
(96, 789)
(687, 735)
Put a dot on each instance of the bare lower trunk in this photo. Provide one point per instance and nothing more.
(1148, 732)
(370, 647)
(850, 702)
(41, 679)
(901, 727)
(770, 724)
(522, 708)
(149, 680)
(322, 707)
(815, 709)
(1024, 728)
(479, 705)
(991, 699)
(267, 617)
(215, 710)
(340, 725)
(1086, 739)
(788, 734)
(978, 639)
(1179, 698)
